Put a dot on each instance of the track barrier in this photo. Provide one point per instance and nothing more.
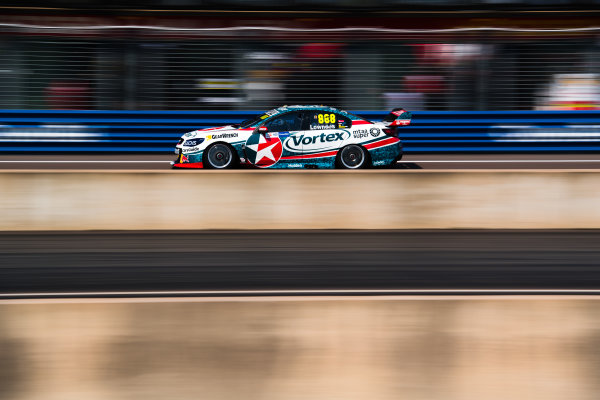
(52, 131)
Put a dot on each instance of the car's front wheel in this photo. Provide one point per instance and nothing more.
(352, 157)
(219, 156)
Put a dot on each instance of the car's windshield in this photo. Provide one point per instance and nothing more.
(261, 117)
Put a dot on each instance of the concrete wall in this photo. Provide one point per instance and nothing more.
(59, 200)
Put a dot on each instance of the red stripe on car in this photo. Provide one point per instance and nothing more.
(382, 143)
(315, 155)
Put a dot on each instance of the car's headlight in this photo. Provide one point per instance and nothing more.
(193, 142)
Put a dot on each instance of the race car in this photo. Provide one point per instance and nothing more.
(296, 137)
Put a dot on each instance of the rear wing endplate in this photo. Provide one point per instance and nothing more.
(397, 117)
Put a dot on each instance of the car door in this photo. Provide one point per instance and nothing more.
(326, 133)
(266, 149)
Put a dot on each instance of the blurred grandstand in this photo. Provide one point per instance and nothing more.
(240, 55)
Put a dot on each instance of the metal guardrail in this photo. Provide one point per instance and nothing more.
(39, 131)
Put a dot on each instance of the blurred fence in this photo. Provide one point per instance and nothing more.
(249, 68)
(26, 131)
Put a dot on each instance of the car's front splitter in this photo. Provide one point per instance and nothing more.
(188, 165)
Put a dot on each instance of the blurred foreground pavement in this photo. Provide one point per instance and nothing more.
(477, 348)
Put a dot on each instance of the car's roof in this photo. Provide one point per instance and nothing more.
(283, 109)
(306, 107)
(270, 114)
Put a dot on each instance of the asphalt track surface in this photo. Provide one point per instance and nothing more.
(139, 162)
(61, 262)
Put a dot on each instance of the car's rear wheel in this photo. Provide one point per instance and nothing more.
(352, 157)
(219, 156)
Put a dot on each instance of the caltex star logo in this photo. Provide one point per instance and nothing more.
(262, 151)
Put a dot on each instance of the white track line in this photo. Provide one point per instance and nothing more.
(307, 292)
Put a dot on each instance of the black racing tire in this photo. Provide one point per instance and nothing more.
(352, 156)
(219, 156)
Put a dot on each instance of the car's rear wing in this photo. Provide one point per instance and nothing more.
(397, 117)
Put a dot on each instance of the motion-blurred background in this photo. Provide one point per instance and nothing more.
(241, 55)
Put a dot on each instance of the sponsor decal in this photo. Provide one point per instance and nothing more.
(400, 122)
(263, 151)
(316, 142)
(360, 133)
(183, 159)
(222, 136)
(374, 131)
(191, 149)
(315, 127)
(269, 114)
(193, 142)
(273, 134)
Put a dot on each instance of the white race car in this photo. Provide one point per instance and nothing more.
(296, 137)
